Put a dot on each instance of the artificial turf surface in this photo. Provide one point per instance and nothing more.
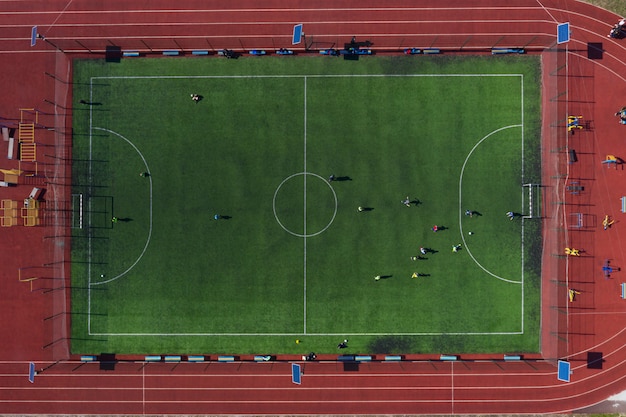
(292, 257)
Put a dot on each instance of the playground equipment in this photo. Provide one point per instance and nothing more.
(574, 122)
(611, 160)
(607, 269)
(30, 280)
(572, 295)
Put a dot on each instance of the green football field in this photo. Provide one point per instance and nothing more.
(291, 256)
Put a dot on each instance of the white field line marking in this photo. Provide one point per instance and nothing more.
(271, 11)
(311, 334)
(150, 217)
(523, 182)
(59, 14)
(546, 10)
(451, 387)
(297, 334)
(469, 252)
(305, 230)
(166, 77)
(333, 36)
(278, 23)
(90, 188)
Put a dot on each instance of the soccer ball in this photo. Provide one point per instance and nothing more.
(101, 275)
(470, 233)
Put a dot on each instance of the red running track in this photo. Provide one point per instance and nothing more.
(597, 323)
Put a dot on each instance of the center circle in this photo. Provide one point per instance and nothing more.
(290, 187)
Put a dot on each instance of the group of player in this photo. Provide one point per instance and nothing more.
(424, 251)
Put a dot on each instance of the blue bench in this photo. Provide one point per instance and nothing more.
(345, 358)
(412, 51)
(171, 53)
(172, 359)
(88, 358)
(262, 358)
(257, 52)
(448, 358)
(354, 51)
(500, 51)
(431, 51)
(391, 358)
(623, 204)
(153, 358)
(512, 358)
(623, 290)
(130, 53)
(225, 358)
(362, 358)
(195, 358)
(199, 52)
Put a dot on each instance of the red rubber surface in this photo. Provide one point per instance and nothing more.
(597, 320)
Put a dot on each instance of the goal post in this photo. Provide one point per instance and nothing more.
(533, 208)
(77, 211)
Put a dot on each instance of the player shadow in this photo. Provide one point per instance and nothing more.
(124, 219)
(583, 281)
(367, 208)
(225, 217)
(354, 44)
(386, 276)
(476, 213)
(343, 178)
(416, 202)
(90, 103)
(430, 250)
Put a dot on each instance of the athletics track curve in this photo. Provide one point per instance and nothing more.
(478, 386)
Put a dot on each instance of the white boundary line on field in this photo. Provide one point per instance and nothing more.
(523, 182)
(90, 192)
(305, 77)
(305, 230)
(182, 77)
(312, 334)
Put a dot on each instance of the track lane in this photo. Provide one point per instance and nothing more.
(482, 391)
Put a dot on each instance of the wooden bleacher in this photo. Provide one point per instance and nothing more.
(30, 212)
(9, 213)
(11, 175)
